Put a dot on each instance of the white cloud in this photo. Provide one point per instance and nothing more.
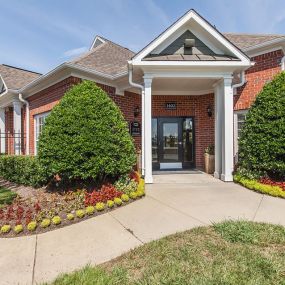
(75, 51)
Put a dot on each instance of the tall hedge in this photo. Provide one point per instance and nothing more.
(262, 142)
(86, 137)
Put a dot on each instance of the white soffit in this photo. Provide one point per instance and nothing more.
(201, 29)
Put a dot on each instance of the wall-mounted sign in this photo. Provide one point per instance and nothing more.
(135, 128)
(170, 105)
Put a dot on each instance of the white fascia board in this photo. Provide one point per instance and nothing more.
(192, 63)
(191, 15)
(188, 74)
(264, 50)
(70, 66)
(266, 44)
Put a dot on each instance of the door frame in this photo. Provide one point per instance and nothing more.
(180, 120)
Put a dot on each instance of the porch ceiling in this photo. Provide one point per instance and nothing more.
(182, 86)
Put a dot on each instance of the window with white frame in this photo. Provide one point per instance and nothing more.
(39, 124)
(239, 119)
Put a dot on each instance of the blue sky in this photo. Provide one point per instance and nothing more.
(39, 35)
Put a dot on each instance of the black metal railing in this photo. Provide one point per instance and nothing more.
(12, 142)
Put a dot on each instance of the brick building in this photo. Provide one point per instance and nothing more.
(189, 88)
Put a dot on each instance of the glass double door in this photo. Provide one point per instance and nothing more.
(172, 143)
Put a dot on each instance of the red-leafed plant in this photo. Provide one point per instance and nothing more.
(270, 182)
(107, 192)
(134, 176)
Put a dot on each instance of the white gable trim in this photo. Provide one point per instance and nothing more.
(3, 86)
(97, 39)
(178, 24)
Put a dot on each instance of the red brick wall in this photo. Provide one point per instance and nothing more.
(46, 99)
(195, 106)
(265, 68)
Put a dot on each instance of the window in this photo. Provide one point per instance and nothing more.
(39, 124)
(239, 119)
(240, 123)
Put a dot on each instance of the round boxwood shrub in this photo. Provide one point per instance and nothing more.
(262, 141)
(86, 137)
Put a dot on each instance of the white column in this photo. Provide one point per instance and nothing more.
(2, 130)
(17, 117)
(147, 130)
(218, 130)
(228, 132)
(142, 136)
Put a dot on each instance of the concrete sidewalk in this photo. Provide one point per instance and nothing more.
(174, 203)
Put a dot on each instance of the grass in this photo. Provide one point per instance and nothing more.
(6, 196)
(226, 253)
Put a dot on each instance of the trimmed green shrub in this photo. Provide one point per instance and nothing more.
(125, 198)
(86, 137)
(45, 223)
(90, 210)
(70, 216)
(20, 169)
(110, 204)
(262, 141)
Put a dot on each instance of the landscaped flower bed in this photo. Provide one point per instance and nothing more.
(264, 185)
(50, 210)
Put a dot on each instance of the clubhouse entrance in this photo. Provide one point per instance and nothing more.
(173, 144)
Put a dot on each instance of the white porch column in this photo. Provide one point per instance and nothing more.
(17, 115)
(228, 132)
(2, 130)
(218, 130)
(147, 130)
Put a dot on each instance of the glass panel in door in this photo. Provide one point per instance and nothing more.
(170, 142)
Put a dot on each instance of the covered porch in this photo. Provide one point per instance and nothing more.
(204, 100)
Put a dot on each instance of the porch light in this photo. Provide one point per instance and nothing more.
(136, 111)
(209, 111)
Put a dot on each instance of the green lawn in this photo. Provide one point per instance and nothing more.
(6, 196)
(226, 253)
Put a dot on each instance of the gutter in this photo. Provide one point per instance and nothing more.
(242, 82)
(283, 63)
(27, 122)
(132, 83)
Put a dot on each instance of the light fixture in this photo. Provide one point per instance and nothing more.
(136, 111)
(209, 111)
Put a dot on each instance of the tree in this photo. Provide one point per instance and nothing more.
(86, 137)
(262, 142)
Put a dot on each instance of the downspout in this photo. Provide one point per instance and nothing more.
(142, 94)
(27, 123)
(241, 83)
(283, 63)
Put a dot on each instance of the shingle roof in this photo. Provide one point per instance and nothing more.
(108, 58)
(244, 41)
(16, 78)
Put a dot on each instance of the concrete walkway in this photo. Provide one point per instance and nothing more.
(175, 202)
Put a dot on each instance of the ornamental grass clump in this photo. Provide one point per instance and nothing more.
(5, 229)
(18, 229)
(133, 195)
(70, 216)
(45, 223)
(80, 214)
(100, 206)
(87, 122)
(125, 198)
(90, 210)
(110, 204)
(32, 226)
(56, 220)
(118, 201)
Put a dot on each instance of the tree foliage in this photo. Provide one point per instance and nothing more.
(86, 137)
(262, 142)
